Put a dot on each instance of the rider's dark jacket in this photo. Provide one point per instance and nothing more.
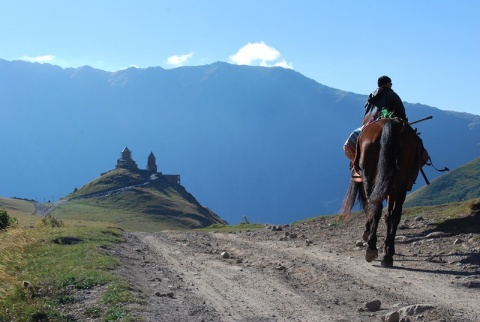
(383, 97)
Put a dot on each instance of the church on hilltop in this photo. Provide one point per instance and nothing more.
(126, 162)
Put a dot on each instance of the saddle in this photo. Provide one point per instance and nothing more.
(350, 146)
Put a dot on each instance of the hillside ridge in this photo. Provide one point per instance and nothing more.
(145, 194)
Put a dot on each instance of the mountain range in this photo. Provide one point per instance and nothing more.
(255, 141)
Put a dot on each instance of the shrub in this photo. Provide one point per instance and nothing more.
(5, 220)
(49, 220)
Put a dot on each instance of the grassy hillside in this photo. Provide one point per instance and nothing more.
(17, 206)
(110, 181)
(460, 184)
(24, 210)
(135, 202)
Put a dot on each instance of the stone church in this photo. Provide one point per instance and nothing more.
(126, 162)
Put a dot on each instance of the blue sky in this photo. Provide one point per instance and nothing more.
(430, 49)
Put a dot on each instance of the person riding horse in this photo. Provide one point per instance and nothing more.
(381, 103)
(386, 154)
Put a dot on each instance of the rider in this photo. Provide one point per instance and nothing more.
(383, 98)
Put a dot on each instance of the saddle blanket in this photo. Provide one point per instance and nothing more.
(350, 145)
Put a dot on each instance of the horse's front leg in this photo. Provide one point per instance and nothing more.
(374, 213)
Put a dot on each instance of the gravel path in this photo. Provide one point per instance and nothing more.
(313, 271)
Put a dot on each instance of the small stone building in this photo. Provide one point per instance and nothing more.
(151, 163)
(126, 162)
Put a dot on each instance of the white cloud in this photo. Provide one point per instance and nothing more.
(38, 59)
(259, 54)
(284, 64)
(179, 60)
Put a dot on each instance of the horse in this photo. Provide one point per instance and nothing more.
(388, 161)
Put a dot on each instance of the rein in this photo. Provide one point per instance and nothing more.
(429, 161)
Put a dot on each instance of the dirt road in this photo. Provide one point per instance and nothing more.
(313, 271)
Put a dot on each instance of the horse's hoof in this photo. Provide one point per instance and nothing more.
(387, 261)
(371, 254)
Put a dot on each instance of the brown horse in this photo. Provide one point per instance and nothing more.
(387, 159)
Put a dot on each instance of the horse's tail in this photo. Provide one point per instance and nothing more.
(387, 162)
(353, 193)
(349, 199)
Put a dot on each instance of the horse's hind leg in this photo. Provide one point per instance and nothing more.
(392, 220)
(374, 214)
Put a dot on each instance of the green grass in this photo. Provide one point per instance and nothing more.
(458, 185)
(41, 267)
(441, 212)
(113, 213)
(17, 207)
